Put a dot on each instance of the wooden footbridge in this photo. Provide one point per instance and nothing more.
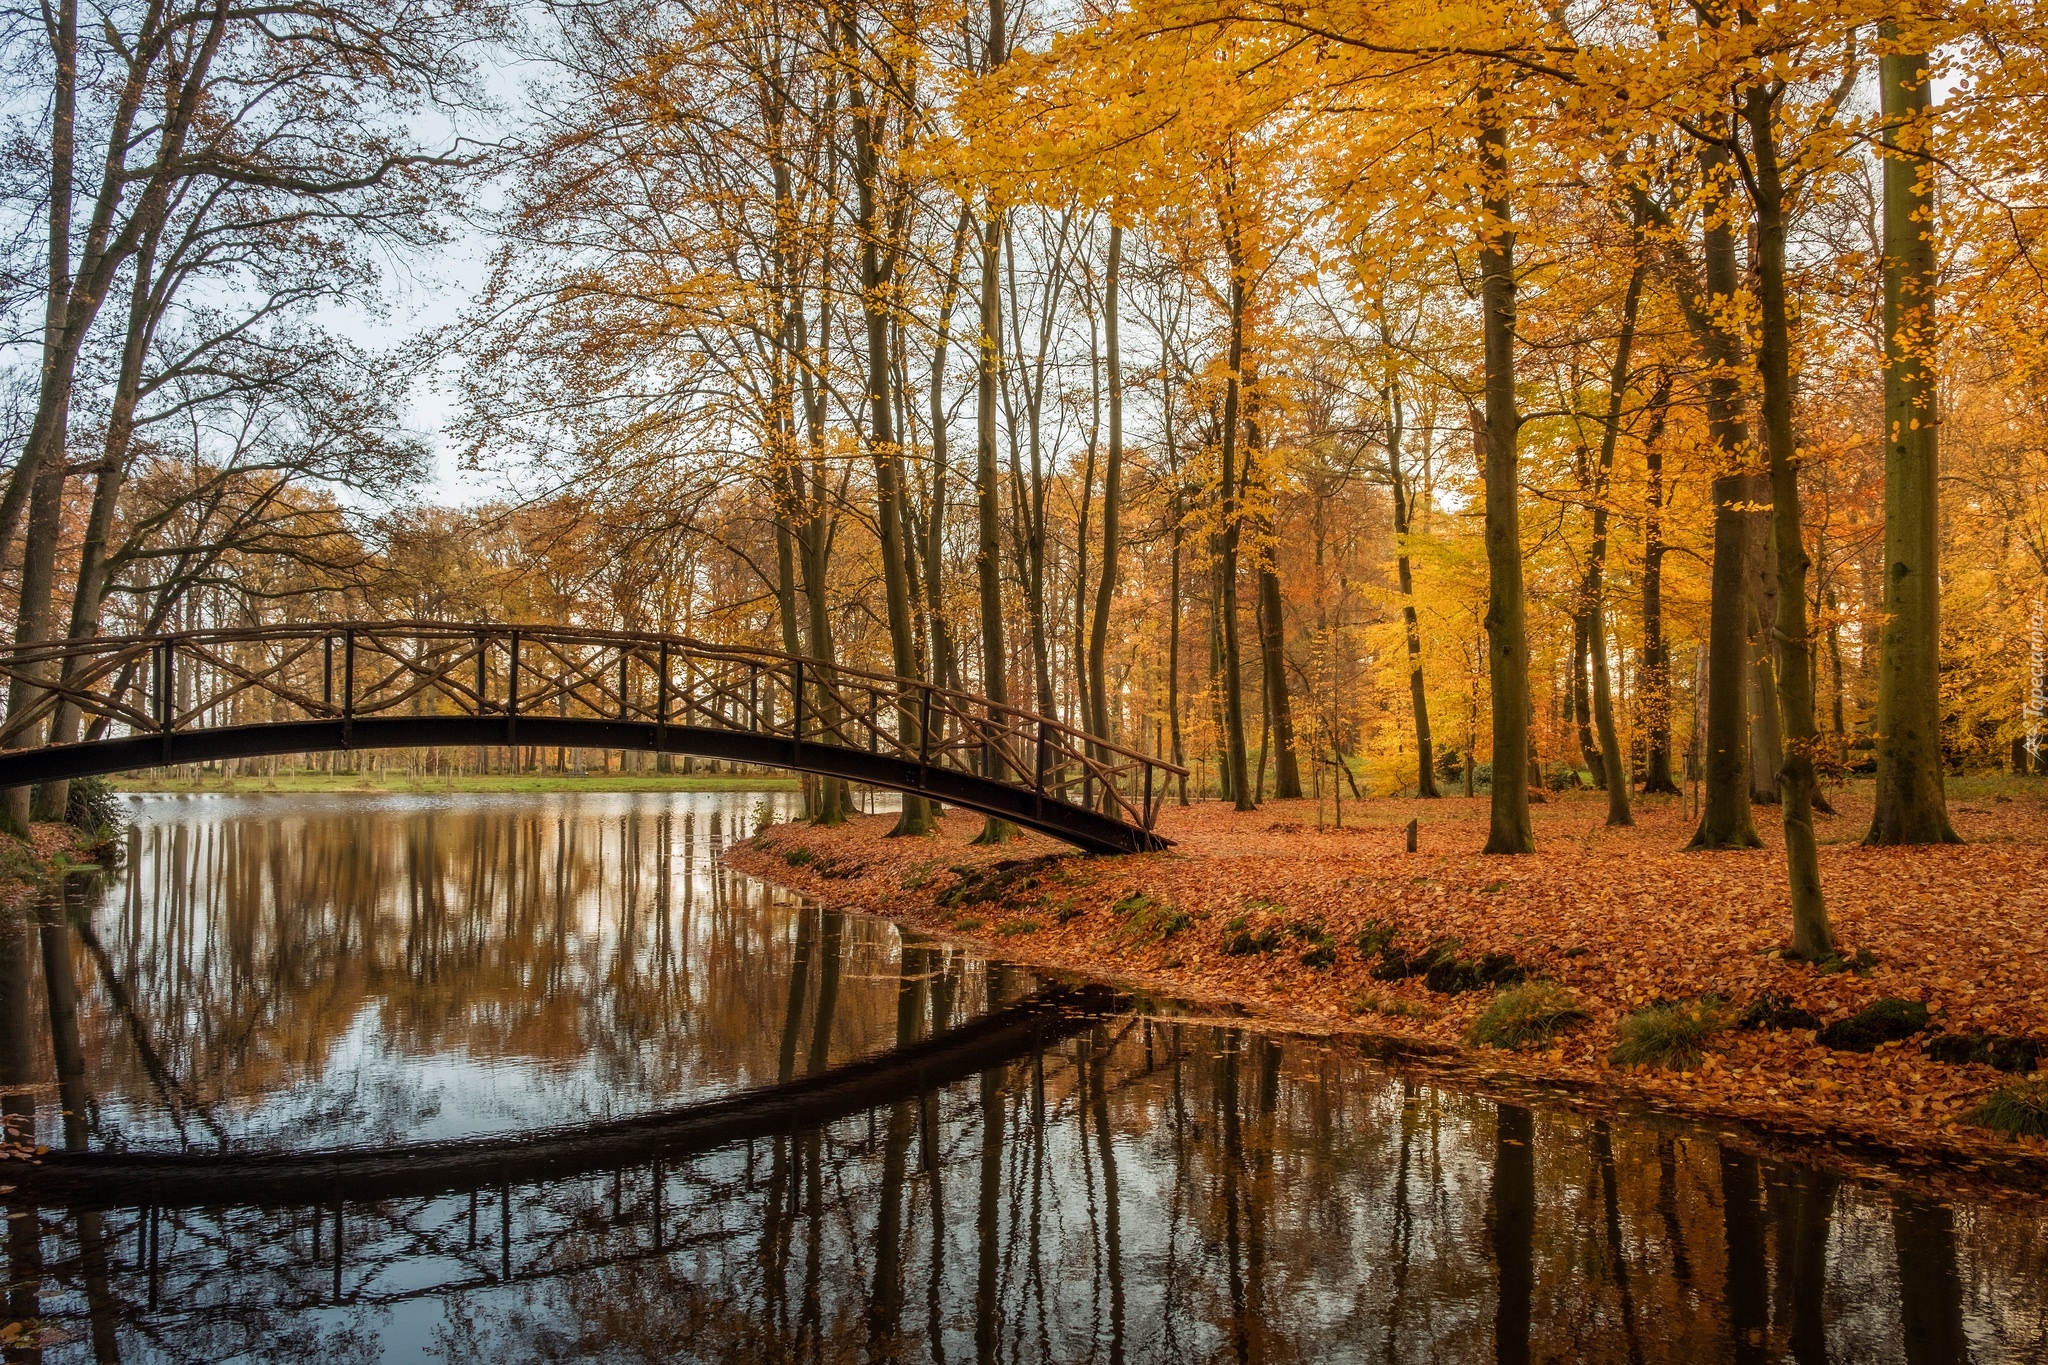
(124, 703)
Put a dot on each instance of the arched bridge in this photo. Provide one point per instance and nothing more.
(122, 703)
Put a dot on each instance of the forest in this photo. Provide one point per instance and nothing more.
(1411, 401)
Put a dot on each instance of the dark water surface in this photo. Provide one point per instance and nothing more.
(282, 974)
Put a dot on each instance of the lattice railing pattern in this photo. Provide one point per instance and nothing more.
(141, 685)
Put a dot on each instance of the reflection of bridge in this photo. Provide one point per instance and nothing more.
(100, 1179)
(146, 701)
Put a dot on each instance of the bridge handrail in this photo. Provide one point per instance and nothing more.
(61, 674)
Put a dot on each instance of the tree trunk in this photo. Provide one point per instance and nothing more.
(988, 557)
(32, 625)
(1173, 605)
(887, 459)
(1228, 488)
(1766, 738)
(1811, 938)
(1616, 767)
(1112, 495)
(1912, 804)
(1653, 688)
(1418, 695)
(1506, 622)
(1725, 820)
(1272, 643)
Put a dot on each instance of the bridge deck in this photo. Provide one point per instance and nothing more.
(117, 704)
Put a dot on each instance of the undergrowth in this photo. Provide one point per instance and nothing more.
(2015, 1110)
(1673, 1035)
(1526, 1015)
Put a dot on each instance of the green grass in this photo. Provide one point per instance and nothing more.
(1673, 1035)
(1149, 921)
(2015, 1110)
(397, 781)
(1526, 1016)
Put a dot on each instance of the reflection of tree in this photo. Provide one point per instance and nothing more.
(1150, 1191)
(595, 947)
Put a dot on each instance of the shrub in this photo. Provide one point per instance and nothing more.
(1673, 1035)
(797, 857)
(94, 808)
(1886, 1021)
(2015, 1110)
(1776, 1012)
(1528, 1014)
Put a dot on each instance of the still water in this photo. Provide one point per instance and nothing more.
(537, 1000)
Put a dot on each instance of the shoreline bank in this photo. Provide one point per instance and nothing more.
(1267, 913)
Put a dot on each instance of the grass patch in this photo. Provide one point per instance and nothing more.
(967, 924)
(1149, 921)
(2014, 1110)
(1861, 964)
(1016, 927)
(797, 857)
(1526, 1015)
(1886, 1021)
(1375, 938)
(1245, 942)
(1673, 1035)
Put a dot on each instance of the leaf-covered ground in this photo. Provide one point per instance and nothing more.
(1622, 918)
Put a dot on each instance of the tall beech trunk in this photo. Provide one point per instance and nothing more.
(1725, 820)
(988, 552)
(1173, 608)
(1506, 620)
(146, 304)
(988, 555)
(1811, 938)
(1229, 489)
(1766, 737)
(883, 452)
(32, 626)
(1578, 700)
(1596, 561)
(944, 655)
(1272, 641)
(1653, 674)
(1418, 695)
(1912, 803)
(1112, 496)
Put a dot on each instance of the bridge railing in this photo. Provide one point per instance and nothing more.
(140, 685)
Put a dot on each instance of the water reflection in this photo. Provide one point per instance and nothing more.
(271, 974)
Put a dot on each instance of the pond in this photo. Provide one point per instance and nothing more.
(481, 1078)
